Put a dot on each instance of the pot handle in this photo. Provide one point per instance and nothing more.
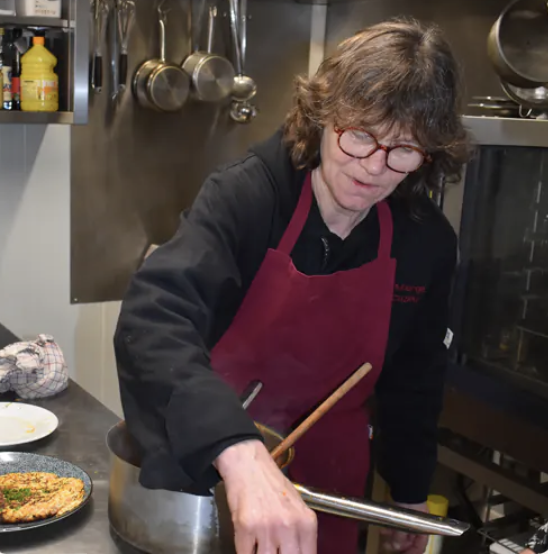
(234, 28)
(381, 514)
(162, 35)
(211, 28)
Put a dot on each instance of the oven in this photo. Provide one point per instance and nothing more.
(497, 383)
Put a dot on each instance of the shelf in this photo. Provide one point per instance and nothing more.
(319, 2)
(532, 332)
(42, 22)
(502, 131)
(54, 118)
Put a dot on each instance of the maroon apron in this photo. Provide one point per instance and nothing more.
(302, 336)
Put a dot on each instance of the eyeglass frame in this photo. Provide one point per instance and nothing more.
(340, 132)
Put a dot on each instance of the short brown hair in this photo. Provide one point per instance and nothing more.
(397, 74)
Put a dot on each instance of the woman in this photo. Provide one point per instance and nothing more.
(316, 252)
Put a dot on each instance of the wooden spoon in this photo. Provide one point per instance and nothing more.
(321, 410)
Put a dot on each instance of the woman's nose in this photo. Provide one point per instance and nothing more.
(376, 163)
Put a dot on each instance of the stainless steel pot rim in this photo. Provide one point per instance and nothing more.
(122, 427)
(144, 67)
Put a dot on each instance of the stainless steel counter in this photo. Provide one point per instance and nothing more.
(80, 439)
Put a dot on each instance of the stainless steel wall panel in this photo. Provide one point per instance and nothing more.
(134, 171)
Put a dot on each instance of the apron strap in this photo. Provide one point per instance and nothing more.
(386, 230)
(299, 218)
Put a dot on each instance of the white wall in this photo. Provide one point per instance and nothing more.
(35, 231)
(35, 256)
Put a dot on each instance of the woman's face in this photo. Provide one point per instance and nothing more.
(357, 184)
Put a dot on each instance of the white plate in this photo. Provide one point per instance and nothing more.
(22, 423)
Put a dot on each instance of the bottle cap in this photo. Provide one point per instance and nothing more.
(438, 505)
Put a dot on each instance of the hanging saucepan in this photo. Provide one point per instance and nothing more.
(212, 75)
(158, 84)
(518, 44)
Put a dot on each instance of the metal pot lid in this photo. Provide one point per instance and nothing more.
(495, 107)
(168, 88)
(523, 38)
(214, 78)
(502, 101)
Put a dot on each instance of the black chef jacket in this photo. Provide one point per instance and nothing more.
(185, 295)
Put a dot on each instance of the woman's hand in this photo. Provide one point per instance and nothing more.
(401, 541)
(267, 511)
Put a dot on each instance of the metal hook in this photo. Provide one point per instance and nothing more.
(162, 11)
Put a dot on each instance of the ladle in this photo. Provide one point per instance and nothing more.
(242, 112)
(244, 87)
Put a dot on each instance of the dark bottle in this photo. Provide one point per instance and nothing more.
(16, 72)
(7, 61)
(2, 33)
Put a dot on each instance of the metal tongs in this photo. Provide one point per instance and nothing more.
(384, 515)
(375, 513)
(126, 19)
(369, 512)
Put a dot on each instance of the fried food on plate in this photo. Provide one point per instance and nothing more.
(26, 497)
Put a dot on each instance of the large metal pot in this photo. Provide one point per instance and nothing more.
(518, 44)
(163, 522)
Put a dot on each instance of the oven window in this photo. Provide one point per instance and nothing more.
(503, 281)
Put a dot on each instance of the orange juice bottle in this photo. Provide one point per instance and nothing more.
(39, 83)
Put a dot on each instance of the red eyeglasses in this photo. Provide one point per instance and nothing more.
(401, 158)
